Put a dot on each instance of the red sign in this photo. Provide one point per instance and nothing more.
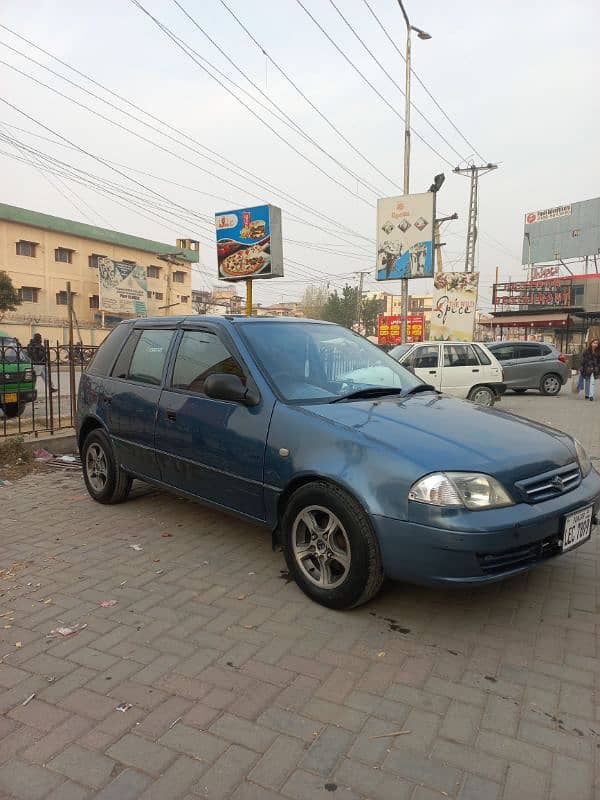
(389, 329)
(554, 292)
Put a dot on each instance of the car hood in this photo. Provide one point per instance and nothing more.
(436, 432)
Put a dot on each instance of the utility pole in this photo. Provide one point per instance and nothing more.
(437, 244)
(170, 259)
(406, 181)
(361, 277)
(71, 353)
(473, 172)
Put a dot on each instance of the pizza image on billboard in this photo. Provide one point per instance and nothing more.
(249, 243)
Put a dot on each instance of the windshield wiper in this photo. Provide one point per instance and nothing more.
(371, 391)
(421, 387)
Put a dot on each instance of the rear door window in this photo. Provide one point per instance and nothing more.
(505, 352)
(529, 351)
(425, 357)
(459, 355)
(202, 354)
(482, 355)
(107, 352)
(148, 361)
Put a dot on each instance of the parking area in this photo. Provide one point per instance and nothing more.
(213, 676)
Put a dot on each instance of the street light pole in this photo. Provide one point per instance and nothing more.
(406, 178)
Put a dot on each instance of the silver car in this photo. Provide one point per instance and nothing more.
(531, 365)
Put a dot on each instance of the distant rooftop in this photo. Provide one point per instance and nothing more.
(37, 220)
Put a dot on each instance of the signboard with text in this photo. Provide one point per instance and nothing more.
(561, 233)
(249, 243)
(405, 236)
(554, 293)
(454, 304)
(389, 328)
(122, 288)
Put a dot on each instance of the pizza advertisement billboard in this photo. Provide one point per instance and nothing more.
(249, 243)
(405, 227)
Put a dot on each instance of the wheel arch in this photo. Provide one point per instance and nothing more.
(89, 424)
(303, 480)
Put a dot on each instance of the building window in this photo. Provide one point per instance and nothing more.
(63, 254)
(153, 272)
(61, 299)
(178, 277)
(149, 295)
(185, 298)
(94, 301)
(26, 249)
(126, 261)
(94, 260)
(29, 294)
(158, 295)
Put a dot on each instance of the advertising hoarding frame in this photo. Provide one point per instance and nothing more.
(562, 233)
(389, 328)
(249, 243)
(405, 234)
(122, 288)
(454, 304)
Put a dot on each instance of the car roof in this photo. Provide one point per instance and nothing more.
(517, 341)
(225, 320)
(434, 342)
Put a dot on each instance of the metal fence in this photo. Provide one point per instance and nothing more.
(38, 386)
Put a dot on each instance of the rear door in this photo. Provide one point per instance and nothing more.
(211, 448)
(528, 366)
(424, 360)
(132, 398)
(460, 369)
(506, 354)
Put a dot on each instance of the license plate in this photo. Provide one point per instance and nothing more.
(10, 397)
(577, 528)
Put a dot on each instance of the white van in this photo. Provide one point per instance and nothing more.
(462, 369)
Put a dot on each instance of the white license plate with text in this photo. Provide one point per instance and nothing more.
(577, 527)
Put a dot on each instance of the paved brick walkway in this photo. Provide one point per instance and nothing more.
(241, 688)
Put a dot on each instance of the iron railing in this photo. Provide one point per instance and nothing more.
(39, 397)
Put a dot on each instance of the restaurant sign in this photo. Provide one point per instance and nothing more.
(389, 328)
(555, 293)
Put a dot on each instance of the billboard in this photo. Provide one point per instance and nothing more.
(122, 288)
(389, 329)
(562, 232)
(551, 293)
(405, 236)
(454, 304)
(249, 243)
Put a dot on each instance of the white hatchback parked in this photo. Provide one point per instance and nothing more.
(462, 369)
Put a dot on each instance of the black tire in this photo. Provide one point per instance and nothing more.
(482, 396)
(117, 484)
(364, 575)
(551, 384)
(519, 391)
(12, 410)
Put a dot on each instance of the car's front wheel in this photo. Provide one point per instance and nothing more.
(13, 410)
(105, 480)
(550, 384)
(482, 396)
(330, 547)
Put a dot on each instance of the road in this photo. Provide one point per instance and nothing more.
(242, 688)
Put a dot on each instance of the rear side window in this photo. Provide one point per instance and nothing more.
(459, 355)
(148, 361)
(545, 350)
(504, 353)
(107, 352)
(424, 357)
(121, 368)
(529, 351)
(481, 355)
(202, 354)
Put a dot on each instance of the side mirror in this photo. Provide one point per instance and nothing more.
(222, 386)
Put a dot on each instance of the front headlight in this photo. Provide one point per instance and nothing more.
(470, 489)
(28, 375)
(585, 465)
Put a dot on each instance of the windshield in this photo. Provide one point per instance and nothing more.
(312, 362)
(11, 351)
(400, 350)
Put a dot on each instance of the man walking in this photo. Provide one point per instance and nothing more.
(37, 353)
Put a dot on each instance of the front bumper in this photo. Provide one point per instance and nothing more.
(527, 536)
(23, 396)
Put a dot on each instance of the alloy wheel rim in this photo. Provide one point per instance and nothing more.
(321, 547)
(551, 385)
(482, 397)
(96, 467)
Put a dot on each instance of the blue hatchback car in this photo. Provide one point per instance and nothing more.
(359, 469)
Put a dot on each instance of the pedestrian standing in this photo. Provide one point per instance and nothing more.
(590, 368)
(37, 353)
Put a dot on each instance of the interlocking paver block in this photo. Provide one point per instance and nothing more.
(422, 770)
(27, 781)
(197, 744)
(126, 786)
(83, 766)
(243, 732)
(326, 750)
(226, 773)
(138, 752)
(522, 781)
(278, 762)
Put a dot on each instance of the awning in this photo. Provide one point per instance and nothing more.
(530, 321)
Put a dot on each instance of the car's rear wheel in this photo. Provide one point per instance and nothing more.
(105, 480)
(330, 547)
(13, 410)
(482, 396)
(550, 384)
(519, 391)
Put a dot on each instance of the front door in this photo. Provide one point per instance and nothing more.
(460, 369)
(424, 359)
(132, 397)
(213, 449)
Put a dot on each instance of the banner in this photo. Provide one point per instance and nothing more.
(454, 304)
(405, 236)
(123, 288)
(550, 293)
(249, 243)
(389, 329)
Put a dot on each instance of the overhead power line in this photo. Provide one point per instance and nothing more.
(429, 94)
(228, 164)
(382, 97)
(292, 83)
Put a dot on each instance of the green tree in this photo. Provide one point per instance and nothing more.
(313, 301)
(9, 296)
(341, 308)
(371, 309)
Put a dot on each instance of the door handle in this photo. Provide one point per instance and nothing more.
(171, 415)
(433, 372)
(474, 370)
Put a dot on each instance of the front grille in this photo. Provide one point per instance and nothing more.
(495, 563)
(549, 484)
(12, 377)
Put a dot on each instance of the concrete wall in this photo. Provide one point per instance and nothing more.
(23, 331)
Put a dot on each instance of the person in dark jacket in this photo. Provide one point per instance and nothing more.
(37, 353)
(590, 367)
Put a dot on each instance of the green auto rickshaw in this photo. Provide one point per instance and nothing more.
(17, 377)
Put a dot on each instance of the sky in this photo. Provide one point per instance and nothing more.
(516, 79)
